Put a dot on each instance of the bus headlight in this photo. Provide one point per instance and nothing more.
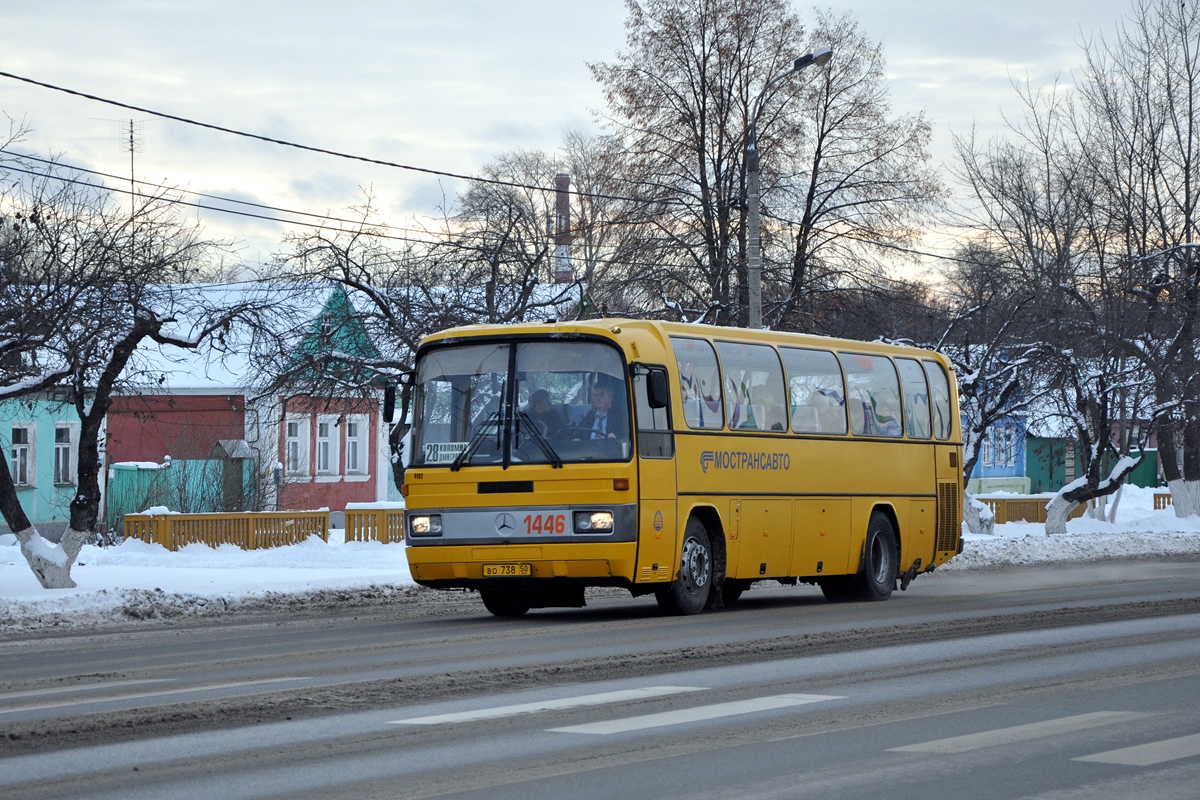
(426, 525)
(593, 522)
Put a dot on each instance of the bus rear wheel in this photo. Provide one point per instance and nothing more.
(876, 577)
(504, 603)
(688, 593)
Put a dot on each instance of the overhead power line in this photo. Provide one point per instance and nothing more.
(322, 150)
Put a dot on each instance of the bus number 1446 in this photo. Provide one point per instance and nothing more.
(545, 523)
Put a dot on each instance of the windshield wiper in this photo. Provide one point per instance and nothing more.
(476, 440)
(536, 434)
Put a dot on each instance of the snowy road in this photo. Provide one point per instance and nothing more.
(966, 678)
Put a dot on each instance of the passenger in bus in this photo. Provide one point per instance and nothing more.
(774, 414)
(603, 421)
(542, 412)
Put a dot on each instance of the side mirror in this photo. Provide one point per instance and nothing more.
(659, 392)
(389, 404)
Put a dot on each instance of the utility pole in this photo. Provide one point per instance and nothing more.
(754, 193)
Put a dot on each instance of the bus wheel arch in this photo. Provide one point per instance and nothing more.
(879, 565)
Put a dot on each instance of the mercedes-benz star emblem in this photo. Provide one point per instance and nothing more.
(505, 524)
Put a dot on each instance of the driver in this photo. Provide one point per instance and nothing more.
(603, 422)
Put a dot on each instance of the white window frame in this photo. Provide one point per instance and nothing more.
(300, 440)
(65, 467)
(328, 452)
(359, 445)
(23, 467)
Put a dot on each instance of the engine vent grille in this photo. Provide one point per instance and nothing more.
(949, 517)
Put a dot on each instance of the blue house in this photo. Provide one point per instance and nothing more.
(40, 435)
(1001, 465)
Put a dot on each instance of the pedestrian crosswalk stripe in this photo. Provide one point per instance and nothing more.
(696, 714)
(603, 698)
(1145, 755)
(1021, 733)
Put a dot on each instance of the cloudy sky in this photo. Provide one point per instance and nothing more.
(440, 84)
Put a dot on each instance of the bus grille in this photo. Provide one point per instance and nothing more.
(948, 525)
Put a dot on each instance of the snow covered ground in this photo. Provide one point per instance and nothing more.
(135, 581)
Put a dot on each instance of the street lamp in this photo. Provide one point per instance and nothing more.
(754, 266)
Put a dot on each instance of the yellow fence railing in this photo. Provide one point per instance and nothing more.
(252, 531)
(1024, 509)
(375, 524)
(1161, 500)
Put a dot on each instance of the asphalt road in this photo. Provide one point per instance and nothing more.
(1075, 682)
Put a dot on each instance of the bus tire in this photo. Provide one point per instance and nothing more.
(688, 593)
(504, 603)
(876, 577)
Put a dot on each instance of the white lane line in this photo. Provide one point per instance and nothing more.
(83, 687)
(88, 701)
(1146, 755)
(696, 714)
(1021, 733)
(549, 705)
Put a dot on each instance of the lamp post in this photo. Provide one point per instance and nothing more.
(754, 237)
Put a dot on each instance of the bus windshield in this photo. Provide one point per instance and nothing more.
(520, 402)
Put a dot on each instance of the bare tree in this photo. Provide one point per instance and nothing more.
(1033, 205)
(1138, 120)
(839, 171)
(853, 183)
(102, 273)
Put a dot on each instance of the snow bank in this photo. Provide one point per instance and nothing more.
(136, 580)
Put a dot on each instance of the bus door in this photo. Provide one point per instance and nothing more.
(657, 496)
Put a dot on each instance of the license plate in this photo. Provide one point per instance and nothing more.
(507, 570)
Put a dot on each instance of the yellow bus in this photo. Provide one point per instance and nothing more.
(687, 461)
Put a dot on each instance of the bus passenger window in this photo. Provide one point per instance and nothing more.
(916, 398)
(816, 396)
(873, 395)
(699, 383)
(753, 387)
(939, 393)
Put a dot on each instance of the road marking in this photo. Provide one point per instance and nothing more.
(1021, 733)
(698, 714)
(549, 705)
(87, 701)
(1146, 755)
(83, 687)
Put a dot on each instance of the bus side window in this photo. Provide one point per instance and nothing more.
(873, 395)
(939, 393)
(699, 383)
(654, 436)
(754, 389)
(916, 397)
(816, 394)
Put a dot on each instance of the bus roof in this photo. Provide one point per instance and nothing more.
(613, 327)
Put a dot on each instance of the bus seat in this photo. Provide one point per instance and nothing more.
(832, 420)
(804, 419)
(858, 418)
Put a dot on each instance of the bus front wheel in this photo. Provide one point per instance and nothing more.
(504, 603)
(688, 593)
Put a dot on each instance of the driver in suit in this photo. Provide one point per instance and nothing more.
(603, 421)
